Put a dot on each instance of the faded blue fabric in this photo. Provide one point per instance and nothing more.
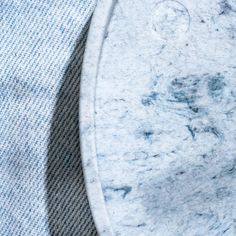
(41, 183)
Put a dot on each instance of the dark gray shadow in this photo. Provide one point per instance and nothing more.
(68, 209)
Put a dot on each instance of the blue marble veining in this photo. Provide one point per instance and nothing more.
(165, 118)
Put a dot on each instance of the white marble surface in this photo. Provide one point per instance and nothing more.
(164, 121)
(99, 25)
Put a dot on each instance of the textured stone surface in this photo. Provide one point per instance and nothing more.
(165, 118)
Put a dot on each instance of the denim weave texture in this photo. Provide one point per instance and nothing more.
(42, 189)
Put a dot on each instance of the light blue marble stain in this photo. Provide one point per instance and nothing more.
(165, 118)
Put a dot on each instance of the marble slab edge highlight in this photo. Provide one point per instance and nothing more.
(97, 32)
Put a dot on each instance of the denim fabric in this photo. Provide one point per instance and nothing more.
(41, 182)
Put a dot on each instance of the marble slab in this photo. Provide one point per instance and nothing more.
(158, 117)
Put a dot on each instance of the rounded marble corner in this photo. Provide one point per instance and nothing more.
(96, 35)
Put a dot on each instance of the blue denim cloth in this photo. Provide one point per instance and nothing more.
(41, 183)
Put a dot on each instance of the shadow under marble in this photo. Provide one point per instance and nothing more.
(68, 207)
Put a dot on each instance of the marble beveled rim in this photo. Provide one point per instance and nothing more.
(97, 32)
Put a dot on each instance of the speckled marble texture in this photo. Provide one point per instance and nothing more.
(165, 122)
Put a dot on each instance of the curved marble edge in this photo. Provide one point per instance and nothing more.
(98, 27)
